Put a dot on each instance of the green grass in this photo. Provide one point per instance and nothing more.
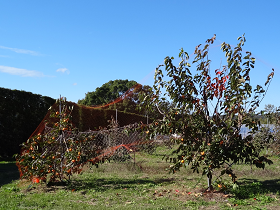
(143, 185)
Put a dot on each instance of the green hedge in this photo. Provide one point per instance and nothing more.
(20, 114)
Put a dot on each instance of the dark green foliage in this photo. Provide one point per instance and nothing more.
(271, 115)
(20, 114)
(113, 90)
(107, 92)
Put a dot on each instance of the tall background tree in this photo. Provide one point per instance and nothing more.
(107, 92)
(269, 135)
(113, 90)
(271, 114)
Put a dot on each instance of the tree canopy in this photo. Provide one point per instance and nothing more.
(112, 90)
(107, 92)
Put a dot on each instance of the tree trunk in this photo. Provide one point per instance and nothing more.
(209, 181)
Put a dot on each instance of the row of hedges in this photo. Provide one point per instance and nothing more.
(20, 114)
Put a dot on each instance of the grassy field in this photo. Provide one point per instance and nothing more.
(144, 185)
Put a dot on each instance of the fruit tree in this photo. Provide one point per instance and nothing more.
(209, 108)
(59, 151)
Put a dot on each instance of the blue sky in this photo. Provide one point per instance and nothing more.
(70, 48)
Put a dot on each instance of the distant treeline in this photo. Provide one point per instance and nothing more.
(20, 114)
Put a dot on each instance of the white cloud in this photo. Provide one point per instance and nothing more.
(30, 52)
(75, 84)
(63, 70)
(21, 72)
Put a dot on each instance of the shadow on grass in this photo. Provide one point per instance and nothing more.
(102, 185)
(252, 187)
(8, 173)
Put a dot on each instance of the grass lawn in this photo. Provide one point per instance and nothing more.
(144, 185)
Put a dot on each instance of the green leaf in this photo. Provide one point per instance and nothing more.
(242, 80)
(246, 57)
(235, 186)
(205, 47)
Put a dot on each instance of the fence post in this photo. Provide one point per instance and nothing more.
(134, 158)
(60, 140)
